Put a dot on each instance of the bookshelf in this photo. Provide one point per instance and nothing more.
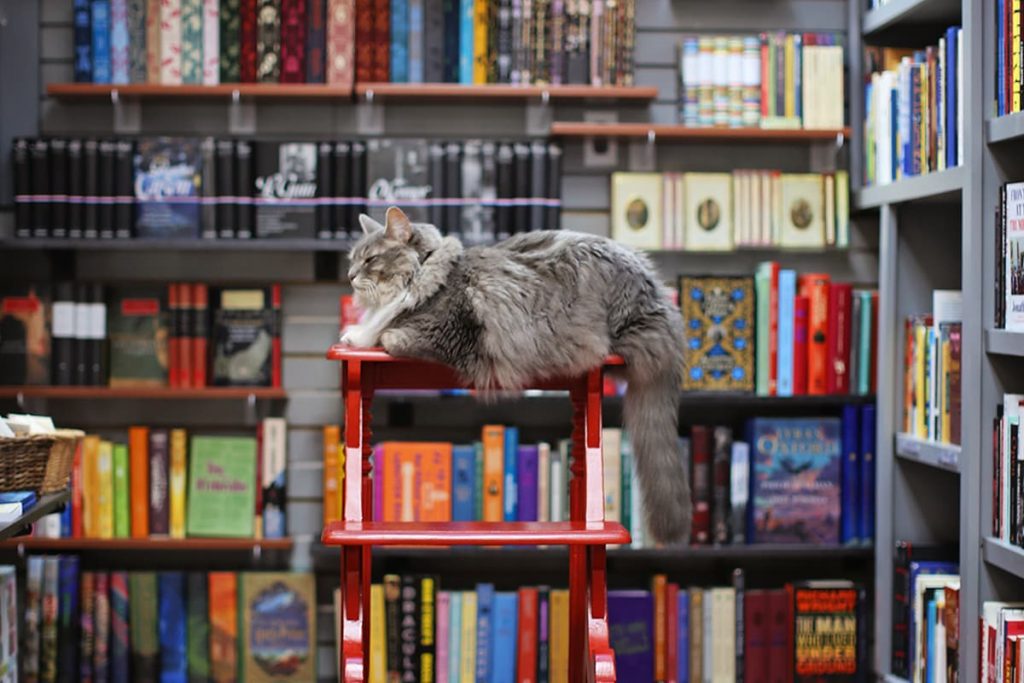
(1006, 557)
(224, 91)
(147, 393)
(1003, 343)
(1006, 129)
(674, 132)
(897, 14)
(51, 502)
(942, 186)
(940, 455)
(155, 544)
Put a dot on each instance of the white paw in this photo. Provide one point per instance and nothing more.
(358, 336)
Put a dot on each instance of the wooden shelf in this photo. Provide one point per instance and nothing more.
(46, 504)
(910, 12)
(930, 187)
(944, 456)
(454, 92)
(1004, 343)
(161, 393)
(578, 129)
(1006, 556)
(456, 402)
(283, 245)
(32, 543)
(225, 91)
(1006, 128)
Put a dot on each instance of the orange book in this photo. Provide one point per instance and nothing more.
(90, 485)
(138, 473)
(658, 590)
(672, 633)
(223, 593)
(185, 328)
(333, 474)
(408, 496)
(436, 483)
(200, 331)
(526, 670)
(173, 338)
(494, 470)
(815, 287)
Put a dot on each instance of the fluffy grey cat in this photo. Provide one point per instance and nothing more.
(538, 305)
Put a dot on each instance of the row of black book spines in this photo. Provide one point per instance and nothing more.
(78, 335)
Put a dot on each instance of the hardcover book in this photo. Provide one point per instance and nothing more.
(198, 621)
(293, 41)
(708, 221)
(168, 180)
(24, 334)
(222, 479)
(718, 313)
(67, 620)
(172, 627)
(630, 626)
(278, 627)
(170, 42)
(636, 209)
(230, 37)
(192, 41)
(795, 487)
(824, 631)
(223, 602)
(120, 655)
(397, 174)
(316, 41)
(285, 189)
(802, 219)
(142, 620)
(211, 41)
(268, 41)
(244, 327)
(138, 337)
(82, 18)
(159, 471)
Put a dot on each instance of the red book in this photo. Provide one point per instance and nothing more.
(184, 335)
(381, 41)
(815, 287)
(700, 448)
(363, 40)
(837, 373)
(672, 633)
(780, 651)
(77, 522)
(200, 333)
(773, 332)
(173, 338)
(765, 75)
(341, 43)
(801, 311)
(659, 586)
(293, 41)
(247, 42)
(757, 630)
(874, 342)
(275, 359)
(529, 605)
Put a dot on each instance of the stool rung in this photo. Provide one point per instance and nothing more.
(474, 533)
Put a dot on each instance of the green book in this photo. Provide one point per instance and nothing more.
(762, 291)
(142, 620)
(191, 42)
(122, 514)
(137, 329)
(230, 41)
(478, 500)
(221, 487)
(198, 620)
(626, 496)
(863, 349)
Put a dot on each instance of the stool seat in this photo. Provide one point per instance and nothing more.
(474, 533)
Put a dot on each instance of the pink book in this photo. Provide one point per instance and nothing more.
(378, 483)
(443, 608)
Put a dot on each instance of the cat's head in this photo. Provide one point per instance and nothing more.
(385, 260)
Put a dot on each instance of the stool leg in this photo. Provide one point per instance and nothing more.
(354, 666)
(368, 515)
(601, 659)
(577, 554)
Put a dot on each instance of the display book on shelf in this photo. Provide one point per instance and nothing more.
(180, 335)
(165, 188)
(148, 625)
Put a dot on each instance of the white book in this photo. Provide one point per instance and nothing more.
(739, 489)
(924, 583)
(1014, 249)
(211, 42)
(558, 483)
(543, 482)
(275, 459)
(9, 512)
(611, 452)
(48, 526)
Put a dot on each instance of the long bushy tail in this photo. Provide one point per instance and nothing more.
(654, 363)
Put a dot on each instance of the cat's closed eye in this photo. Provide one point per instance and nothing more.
(370, 259)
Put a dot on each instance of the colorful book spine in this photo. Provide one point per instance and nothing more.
(159, 468)
(247, 41)
(154, 30)
(850, 476)
(82, 24)
(86, 628)
(211, 42)
(316, 41)
(119, 61)
(192, 42)
(415, 41)
(510, 501)
(441, 665)
(101, 624)
(455, 629)
(867, 474)
(466, 36)
(787, 295)
(143, 624)
(177, 482)
(293, 41)
(67, 620)
(198, 627)
(122, 492)
(503, 638)
(172, 624)
(452, 40)
(526, 483)
(341, 43)
(268, 41)
(170, 42)
(275, 440)
(333, 473)
(481, 26)
(493, 472)
(223, 602)
(138, 471)
(101, 66)
(485, 597)
(104, 495)
(120, 651)
(467, 661)
(136, 41)
(378, 640)
(33, 617)
(464, 489)
(399, 52)
(230, 41)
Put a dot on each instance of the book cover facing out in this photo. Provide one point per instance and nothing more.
(824, 631)
(25, 334)
(168, 180)
(278, 627)
(630, 622)
(137, 325)
(242, 337)
(221, 490)
(718, 313)
(795, 491)
(285, 189)
(397, 174)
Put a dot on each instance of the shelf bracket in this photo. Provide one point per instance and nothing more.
(643, 154)
(241, 115)
(251, 416)
(369, 116)
(127, 114)
(539, 116)
(600, 152)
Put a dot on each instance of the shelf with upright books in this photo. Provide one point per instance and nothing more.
(225, 91)
(156, 393)
(944, 456)
(454, 92)
(896, 13)
(930, 187)
(1006, 556)
(149, 544)
(1004, 343)
(46, 504)
(1006, 128)
(675, 132)
(193, 244)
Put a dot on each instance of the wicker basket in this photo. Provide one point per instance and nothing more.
(40, 463)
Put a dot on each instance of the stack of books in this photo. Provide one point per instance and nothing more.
(167, 625)
(1002, 624)
(925, 612)
(168, 483)
(913, 110)
(771, 80)
(727, 211)
(931, 380)
(182, 335)
(1008, 479)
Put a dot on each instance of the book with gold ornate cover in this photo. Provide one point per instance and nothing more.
(718, 314)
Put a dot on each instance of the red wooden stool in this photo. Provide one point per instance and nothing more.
(586, 534)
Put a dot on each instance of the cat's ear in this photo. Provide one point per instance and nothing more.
(369, 225)
(399, 227)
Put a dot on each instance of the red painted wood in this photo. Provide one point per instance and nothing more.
(419, 534)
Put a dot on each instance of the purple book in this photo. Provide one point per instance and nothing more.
(631, 623)
(526, 470)
(159, 508)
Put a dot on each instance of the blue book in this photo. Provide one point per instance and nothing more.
(850, 506)
(894, 127)
(484, 631)
(929, 630)
(795, 480)
(951, 138)
(510, 489)
(399, 41)
(65, 522)
(67, 618)
(101, 41)
(867, 474)
(798, 74)
(416, 46)
(917, 569)
(119, 41)
(526, 484)
(26, 498)
(787, 303)
(683, 660)
(466, 42)
(452, 12)
(630, 625)
(82, 18)
(503, 642)
(463, 484)
(171, 620)
(455, 637)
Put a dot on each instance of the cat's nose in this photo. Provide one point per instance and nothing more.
(352, 272)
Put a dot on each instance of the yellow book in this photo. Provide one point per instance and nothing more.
(467, 659)
(378, 636)
(558, 636)
(944, 392)
(920, 412)
(480, 23)
(105, 491)
(923, 136)
(90, 482)
(789, 101)
(1015, 99)
(176, 490)
(332, 473)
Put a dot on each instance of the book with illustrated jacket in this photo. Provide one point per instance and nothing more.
(244, 339)
(637, 209)
(803, 218)
(397, 174)
(168, 180)
(137, 324)
(25, 334)
(278, 627)
(285, 189)
(718, 314)
(707, 221)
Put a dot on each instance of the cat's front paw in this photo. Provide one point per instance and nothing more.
(358, 336)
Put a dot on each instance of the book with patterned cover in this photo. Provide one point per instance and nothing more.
(192, 41)
(247, 40)
(211, 42)
(101, 41)
(170, 42)
(230, 41)
(364, 39)
(316, 41)
(381, 41)
(120, 650)
(341, 42)
(153, 41)
(433, 41)
(268, 41)
(137, 41)
(293, 41)
(718, 313)
(118, 41)
(82, 16)
(399, 38)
